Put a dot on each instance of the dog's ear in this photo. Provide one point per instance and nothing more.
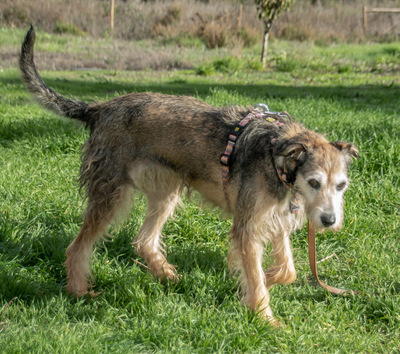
(288, 156)
(294, 151)
(348, 148)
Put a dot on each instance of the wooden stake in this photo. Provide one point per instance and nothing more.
(365, 19)
(112, 16)
(240, 16)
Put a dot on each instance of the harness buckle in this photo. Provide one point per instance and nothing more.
(262, 107)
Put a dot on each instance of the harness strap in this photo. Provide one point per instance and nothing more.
(271, 117)
(234, 134)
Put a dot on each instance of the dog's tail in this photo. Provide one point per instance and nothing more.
(44, 94)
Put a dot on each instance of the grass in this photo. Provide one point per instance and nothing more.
(41, 212)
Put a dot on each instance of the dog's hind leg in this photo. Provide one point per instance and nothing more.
(283, 272)
(162, 187)
(102, 209)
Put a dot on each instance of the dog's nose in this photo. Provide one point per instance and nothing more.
(328, 219)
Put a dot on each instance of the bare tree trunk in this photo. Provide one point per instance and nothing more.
(265, 46)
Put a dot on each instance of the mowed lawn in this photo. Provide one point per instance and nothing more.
(41, 212)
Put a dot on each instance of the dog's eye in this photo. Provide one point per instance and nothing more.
(314, 183)
(341, 186)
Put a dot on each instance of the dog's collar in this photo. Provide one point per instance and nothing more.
(260, 111)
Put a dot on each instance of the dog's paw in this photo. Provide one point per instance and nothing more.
(167, 272)
(275, 323)
(84, 291)
(176, 278)
(170, 273)
(271, 320)
(266, 315)
(75, 290)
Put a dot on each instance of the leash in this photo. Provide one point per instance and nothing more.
(312, 257)
(261, 111)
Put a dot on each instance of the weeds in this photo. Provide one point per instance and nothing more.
(229, 65)
(68, 28)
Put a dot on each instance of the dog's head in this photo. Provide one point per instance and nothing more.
(318, 171)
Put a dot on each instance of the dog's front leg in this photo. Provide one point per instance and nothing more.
(245, 257)
(283, 271)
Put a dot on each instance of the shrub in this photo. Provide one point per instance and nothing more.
(205, 69)
(15, 16)
(229, 65)
(213, 35)
(167, 24)
(248, 36)
(345, 68)
(172, 15)
(68, 28)
(283, 63)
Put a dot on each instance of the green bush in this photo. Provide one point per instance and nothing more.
(68, 28)
(205, 69)
(248, 37)
(229, 65)
(15, 16)
(284, 63)
(344, 68)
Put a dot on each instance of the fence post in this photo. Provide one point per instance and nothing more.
(112, 16)
(385, 10)
(240, 16)
(365, 19)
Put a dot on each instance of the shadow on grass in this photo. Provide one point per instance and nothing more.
(33, 252)
(358, 96)
(36, 128)
(24, 283)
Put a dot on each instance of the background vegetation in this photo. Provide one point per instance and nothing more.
(216, 22)
(163, 34)
(350, 91)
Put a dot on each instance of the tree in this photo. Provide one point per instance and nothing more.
(268, 11)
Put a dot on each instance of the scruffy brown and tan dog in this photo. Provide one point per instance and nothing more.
(160, 145)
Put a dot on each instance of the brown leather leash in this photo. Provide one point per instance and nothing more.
(312, 256)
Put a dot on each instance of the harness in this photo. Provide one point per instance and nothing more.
(260, 111)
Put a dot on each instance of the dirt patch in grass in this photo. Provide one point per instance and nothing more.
(112, 55)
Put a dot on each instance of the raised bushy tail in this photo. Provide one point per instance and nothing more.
(47, 97)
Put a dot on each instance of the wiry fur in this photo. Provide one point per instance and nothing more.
(160, 144)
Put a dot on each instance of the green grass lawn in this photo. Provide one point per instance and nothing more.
(41, 212)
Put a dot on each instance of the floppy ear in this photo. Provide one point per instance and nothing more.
(288, 157)
(348, 148)
(294, 151)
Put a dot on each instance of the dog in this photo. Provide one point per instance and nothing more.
(162, 145)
